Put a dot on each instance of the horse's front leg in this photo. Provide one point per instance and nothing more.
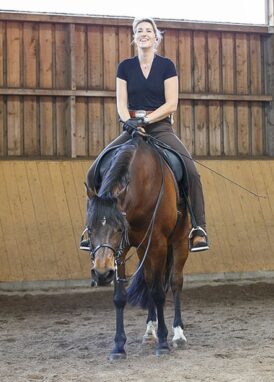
(119, 299)
(158, 297)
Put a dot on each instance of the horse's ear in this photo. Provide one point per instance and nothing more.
(90, 192)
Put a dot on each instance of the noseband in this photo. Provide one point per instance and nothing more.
(117, 252)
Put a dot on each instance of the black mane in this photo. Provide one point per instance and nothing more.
(117, 174)
(104, 205)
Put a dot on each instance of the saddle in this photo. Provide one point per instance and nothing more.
(173, 159)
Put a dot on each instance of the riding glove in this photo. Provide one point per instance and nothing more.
(132, 124)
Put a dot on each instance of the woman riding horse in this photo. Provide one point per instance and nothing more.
(147, 96)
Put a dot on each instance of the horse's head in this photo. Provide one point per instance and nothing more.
(107, 231)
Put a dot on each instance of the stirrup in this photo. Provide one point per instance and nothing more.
(202, 246)
(85, 243)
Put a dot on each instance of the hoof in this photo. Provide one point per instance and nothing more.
(180, 343)
(117, 356)
(149, 340)
(163, 350)
(179, 339)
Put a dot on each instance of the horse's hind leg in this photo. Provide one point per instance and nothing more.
(150, 336)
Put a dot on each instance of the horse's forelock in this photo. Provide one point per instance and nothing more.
(105, 208)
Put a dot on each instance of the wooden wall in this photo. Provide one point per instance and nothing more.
(42, 214)
(57, 85)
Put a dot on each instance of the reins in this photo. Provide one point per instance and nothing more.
(164, 145)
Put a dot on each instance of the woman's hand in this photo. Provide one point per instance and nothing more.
(134, 124)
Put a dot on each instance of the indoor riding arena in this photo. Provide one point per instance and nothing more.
(57, 112)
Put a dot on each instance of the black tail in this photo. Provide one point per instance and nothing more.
(169, 268)
(138, 293)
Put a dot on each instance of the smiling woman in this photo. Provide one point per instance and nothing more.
(251, 12)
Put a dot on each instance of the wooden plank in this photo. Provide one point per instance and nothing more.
(215, 122)
(187, 124)
(61, 126)
(243, 128)
(45, 55)
(201, 128)
(2, 53)
(81, 56)
(214, 59)
(6, 270)
(236, 220)
(199, 71)
(9, 209)
(111, 125)
(46, 126)
(257, 206)
(21, 258)
(228, 54)
(229, 124)
(241, 64)
(81, 127)
(124, 41)
(40, 225)
(36, 257)
(65, 231)
(30, 48)
(31, 133)
(13, 54)
(76, 218)
(110, 54)
(61, 57)
(96, 127)
(257, 128)
(256, 80)
(170, 51)
(185, 62)
(170, 45)
(95, 57)
(14, 126)
(59, 258)
(265, 185)
(3, 142)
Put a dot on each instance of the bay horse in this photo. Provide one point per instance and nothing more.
(136, 206)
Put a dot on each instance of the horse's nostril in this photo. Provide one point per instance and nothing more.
(102, 278)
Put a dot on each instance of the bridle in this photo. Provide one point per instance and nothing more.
(117, 252)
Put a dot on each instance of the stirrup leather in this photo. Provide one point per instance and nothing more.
(203, 246)
(84, 241)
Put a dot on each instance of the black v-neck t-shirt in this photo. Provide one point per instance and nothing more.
(146, 93)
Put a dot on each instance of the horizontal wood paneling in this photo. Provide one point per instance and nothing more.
(42, 214)
(57, 85)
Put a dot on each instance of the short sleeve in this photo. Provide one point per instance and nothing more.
(170, 70)
(121, 73)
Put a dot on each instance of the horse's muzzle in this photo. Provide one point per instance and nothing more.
(102, 278)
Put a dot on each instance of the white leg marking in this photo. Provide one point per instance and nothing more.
(179, 339)
(150, 335)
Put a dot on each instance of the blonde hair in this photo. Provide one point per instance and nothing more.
(139, 20)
